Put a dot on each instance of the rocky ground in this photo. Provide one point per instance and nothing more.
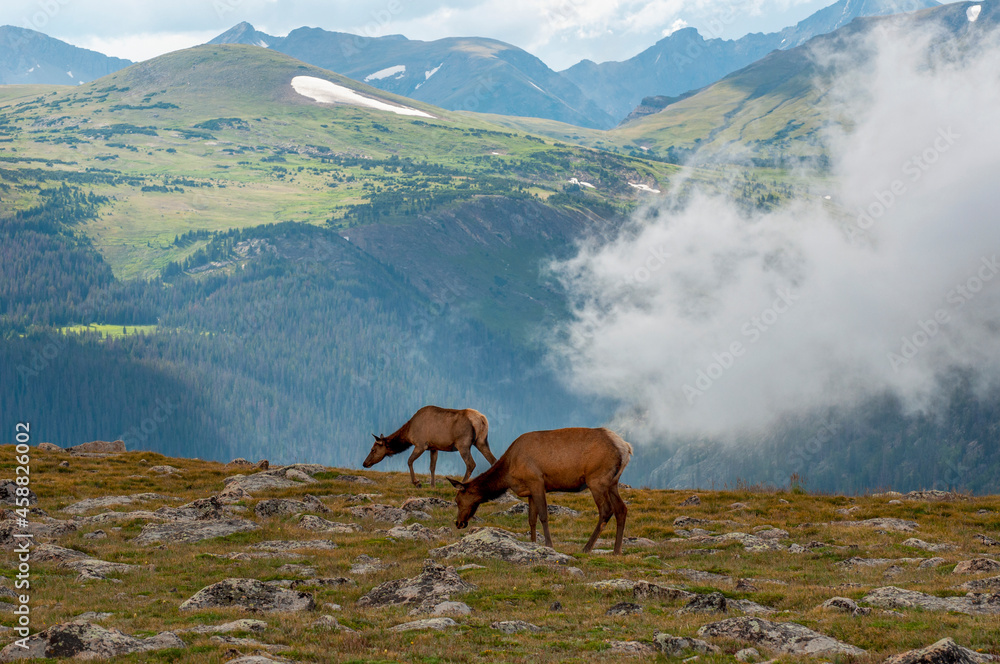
(148, 559)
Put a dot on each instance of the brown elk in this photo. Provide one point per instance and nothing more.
(438, 430)
(558, 460)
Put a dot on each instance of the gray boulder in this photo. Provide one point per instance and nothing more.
(945, 651)
(514, 626)
(435, 584)
(676, 646)
(499, 544)
(109, 501)
(977, 566)
(192, 531)
(891, 597)
(520, 508)
(249, 595)
(387, 513)
(318, 524)
(426, 623)
(790, 638)
(85, 640)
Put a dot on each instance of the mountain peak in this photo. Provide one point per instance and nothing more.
(245, 33)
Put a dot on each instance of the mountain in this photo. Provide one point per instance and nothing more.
(27, 56)
(461, 73)
(775, 105)
(685, 61)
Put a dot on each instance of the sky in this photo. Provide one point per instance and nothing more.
(560, 32)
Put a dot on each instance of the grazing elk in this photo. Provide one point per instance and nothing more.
(438, 430)
(557, 460)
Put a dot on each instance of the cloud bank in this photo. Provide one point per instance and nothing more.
(708, 322)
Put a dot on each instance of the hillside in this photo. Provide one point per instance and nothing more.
(686, 60)
(332, 550)
(467, 73)
(30, 57)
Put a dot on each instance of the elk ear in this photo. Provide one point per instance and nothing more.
(374, 436)
(458, 485)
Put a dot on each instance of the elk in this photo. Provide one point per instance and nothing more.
(558, 460)
(438, 430)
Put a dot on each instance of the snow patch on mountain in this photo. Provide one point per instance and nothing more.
(396, 71)
(327, 92)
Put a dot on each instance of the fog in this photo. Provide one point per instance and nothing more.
(705, 321)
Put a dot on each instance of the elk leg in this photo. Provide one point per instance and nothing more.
(434, 460)
(538, 498)
(484, 448)
(604, 510)
(413, 457)
(470, 463)
(621, 511)
(532, 517)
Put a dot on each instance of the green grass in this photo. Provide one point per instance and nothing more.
(108, 331)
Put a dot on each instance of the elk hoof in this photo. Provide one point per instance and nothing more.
(417, 484)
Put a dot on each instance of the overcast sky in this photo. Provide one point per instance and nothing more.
(560, 32)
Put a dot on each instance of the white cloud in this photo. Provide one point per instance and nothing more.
(143, 46)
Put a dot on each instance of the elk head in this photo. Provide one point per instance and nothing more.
(468, 500)
(379, 451)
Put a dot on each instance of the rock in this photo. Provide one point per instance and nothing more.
(624, 609)
(109, 501)
(451, 609)
(788, 637)
(387, 513)
(322, 582)
(64, 464)
(164, 470)
(522, 508)
(931, 563)
(891, 597)
(771, 533)
(845, 605)
(99, 446)
(687, 521)
(91, 616)
(241, 625)
(249, 643)
(873, 562)
(934, 494)
(847, 511)
(49, 447)
(977, 566)
(747, 655)
(470, 566)
(992, 583)
(707, 578)
(58, 554)
(414, 531)
(85, 640)
(192, 531)
(928, 546)
(249, 595)
(711, 603)
(556, 606)
(739, 506)
(329, 622)
(285, 506)
(293, 474)
(233, 493)
(498, 544)
(642, 589)
(690, 502)
(293, 545)
(97, 534)
(296, 570)
(427, 623)
(256, 659)
(899, 525)
(365, 564)
(261, 481)
(895, 502)
(572, 571)
(987, 541)
(41, 530)
(424, 504)
(320, 525)
(8, 493)
(631, 649)
(202, 509)
(435, 584)
(945, 651)
(675, 646)
(355, 479)
(514, 626)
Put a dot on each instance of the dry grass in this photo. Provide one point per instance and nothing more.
(147, 601)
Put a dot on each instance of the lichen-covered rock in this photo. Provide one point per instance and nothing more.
(85, 640)
(435, 583)
(945, 651)
(710, 603)
(845, 605)
(320, 525)
(499, 544)
(98, 446)
(624, 609)
(691, 502)
(790, 638)
(414, 531)
(42, 530)
(977, 566)
(249, 595)
(928, 546)
(329, 622)
(248, 643)
(675, 646)
(109, 501)
(192, 531)
(992, 583)
(387, 513)
(8, 493)
(355, 479)
(241, 625)
(631, 649)
(49, 447)
(642, 589)
(520, 508)
(882, 523)
(365, 564)
(891, 597)
(514, 626)
(286, 506)
(427, 623)
(931, 563)
(293, 545)
(424, 504)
